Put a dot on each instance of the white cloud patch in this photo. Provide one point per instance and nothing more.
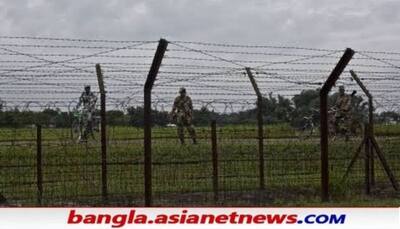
(363, 24)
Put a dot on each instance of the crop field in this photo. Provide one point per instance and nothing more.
(182, 175)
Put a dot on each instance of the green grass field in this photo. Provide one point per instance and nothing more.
(182, 175)
(232, 131)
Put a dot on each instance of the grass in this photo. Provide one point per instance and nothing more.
(227, 131)
(182, 175)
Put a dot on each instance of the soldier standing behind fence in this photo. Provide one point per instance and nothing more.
(88, 102)
(343, 109)
(182, 113)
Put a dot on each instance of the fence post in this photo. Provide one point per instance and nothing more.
(39, 172)
(370, 124)
(214, 148)
(371, 133)
(385, 164)
(333, 77)
(148, 86)
(260, 123)
(71, 131)
(367, 160)
(103, 126)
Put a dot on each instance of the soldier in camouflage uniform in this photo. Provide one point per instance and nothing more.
(88, 103)
(343, 111)
(332, 123)
(182, 112)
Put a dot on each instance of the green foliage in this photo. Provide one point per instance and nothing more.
(276, 110)
(388, 117)
(305, 104)
(116, 118)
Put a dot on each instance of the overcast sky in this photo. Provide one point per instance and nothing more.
(366, 24)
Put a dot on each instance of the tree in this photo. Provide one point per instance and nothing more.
(305, 104)
(135, 115)
(284, 109)
(115, 117)
(388, 116)
(204, 116)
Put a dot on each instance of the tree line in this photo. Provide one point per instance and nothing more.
(277, 109)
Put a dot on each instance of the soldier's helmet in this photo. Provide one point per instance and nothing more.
(87, 86)
(182, 90)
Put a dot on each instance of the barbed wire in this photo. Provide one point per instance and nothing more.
(31, 68)
(207, 53)
(380, 60)
(67, 60)
(71, 39)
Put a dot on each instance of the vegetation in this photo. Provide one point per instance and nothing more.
(182, 174)
(276, 110)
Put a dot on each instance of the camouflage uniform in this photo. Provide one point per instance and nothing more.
(182, 113)
(88, 103)
(332, 123)
(343, 110)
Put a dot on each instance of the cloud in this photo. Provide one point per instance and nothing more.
(319, 23)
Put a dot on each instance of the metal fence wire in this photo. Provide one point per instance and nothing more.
(244, 156)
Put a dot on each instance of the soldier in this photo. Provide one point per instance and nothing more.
(182, 112)
(343, 110)
(88, 102)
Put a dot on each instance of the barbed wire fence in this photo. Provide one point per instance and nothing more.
(231, 168)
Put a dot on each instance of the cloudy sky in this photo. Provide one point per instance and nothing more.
(366, 24)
